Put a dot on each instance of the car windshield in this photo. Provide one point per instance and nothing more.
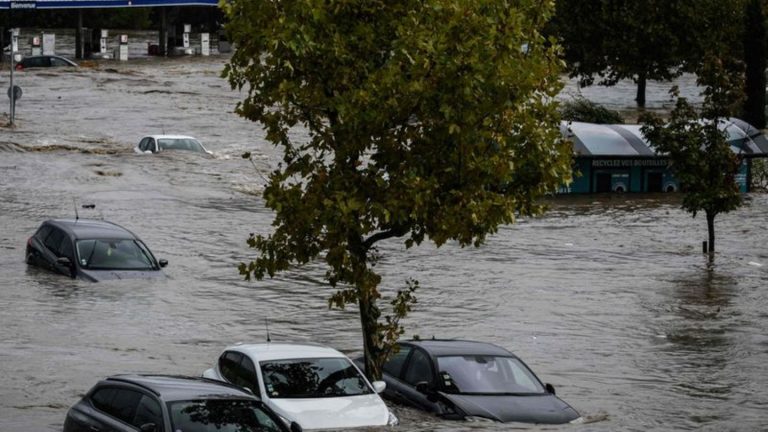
(180, 144)
(121, 254)
(480, 374)
(224, 415)
(312, 378)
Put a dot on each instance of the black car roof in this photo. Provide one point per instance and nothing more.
(175, 388)
(448, 347)
(91, 229)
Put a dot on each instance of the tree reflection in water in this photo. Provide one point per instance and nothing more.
(222, 416)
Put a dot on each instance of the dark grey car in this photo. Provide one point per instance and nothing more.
(90, 249)
(162, 403)
(457, 379)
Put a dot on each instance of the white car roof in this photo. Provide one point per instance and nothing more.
(170, 137)
(284, 351)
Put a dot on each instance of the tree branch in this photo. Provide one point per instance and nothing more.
(396, 231)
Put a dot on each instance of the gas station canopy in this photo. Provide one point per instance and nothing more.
(79, 4)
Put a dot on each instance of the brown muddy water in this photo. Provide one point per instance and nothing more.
(607, 298)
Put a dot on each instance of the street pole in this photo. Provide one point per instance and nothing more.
(13, 66)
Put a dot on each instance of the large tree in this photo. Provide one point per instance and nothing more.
(697, 146)
(614, 40)
(429, 119)
(755, 53)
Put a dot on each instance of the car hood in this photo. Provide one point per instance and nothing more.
(545, 408)
(333, 412)
(100, 275)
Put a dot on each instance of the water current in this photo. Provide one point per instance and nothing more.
(606, 297)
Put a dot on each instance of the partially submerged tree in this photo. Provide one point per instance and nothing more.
(430, 119)
(697, 147)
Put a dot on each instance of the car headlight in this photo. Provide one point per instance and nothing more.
(579, 420)
(392, 420)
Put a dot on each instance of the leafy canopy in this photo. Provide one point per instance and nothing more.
(397, 118)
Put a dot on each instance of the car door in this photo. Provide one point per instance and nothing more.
(152, 146)
(392, 373)
(419, 369)
(54, 245)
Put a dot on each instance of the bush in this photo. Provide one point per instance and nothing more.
(583, 110)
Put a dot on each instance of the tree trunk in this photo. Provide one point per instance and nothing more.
(711, 230)
(641, 83)
(368, 322)
(755, 53)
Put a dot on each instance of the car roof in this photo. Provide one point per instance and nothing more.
(170, 137)
(91, 229)
(449, 347)
(283, 351)
(174, 387)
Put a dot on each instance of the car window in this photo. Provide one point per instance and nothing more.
(65, 248)
(106, 254)
(124, 404)
(151, 145)
(312, 378)
(58, 62)
(148, 411)
(248, 374)
(53, 240)
(228, 364)
(221, 415)
(144, 144)
(395, 364)
(102, 398)
(43, 232)
(419, 368)
(118, 403)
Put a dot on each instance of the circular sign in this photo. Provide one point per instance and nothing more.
(16, 92)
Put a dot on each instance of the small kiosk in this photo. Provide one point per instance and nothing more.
(617, 158)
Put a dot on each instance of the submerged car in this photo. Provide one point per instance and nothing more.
(162, 403)
(314, 386)
(161, 143)
(463, 379)
(44, 61)
(91, 249)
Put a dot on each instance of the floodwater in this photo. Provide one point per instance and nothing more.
(607, 298)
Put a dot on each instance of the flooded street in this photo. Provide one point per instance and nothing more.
(607, 298)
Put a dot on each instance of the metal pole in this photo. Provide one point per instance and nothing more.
(13, 66)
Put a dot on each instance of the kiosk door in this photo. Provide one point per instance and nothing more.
(655, 180)
(602, 182)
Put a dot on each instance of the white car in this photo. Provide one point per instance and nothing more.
(312, 385)
(159, 143)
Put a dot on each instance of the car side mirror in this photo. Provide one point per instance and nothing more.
(379, 386)
(163, 262)
(550, 388)
(148, 427)
(295, 427)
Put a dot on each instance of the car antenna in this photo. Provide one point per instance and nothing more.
(266, 322)
(74, 203)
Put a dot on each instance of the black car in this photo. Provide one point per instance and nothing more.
(163, 403)
(44, 61)
(458, 379)
(92, 250)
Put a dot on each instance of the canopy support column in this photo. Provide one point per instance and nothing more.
(79, 36)
(163, 36)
